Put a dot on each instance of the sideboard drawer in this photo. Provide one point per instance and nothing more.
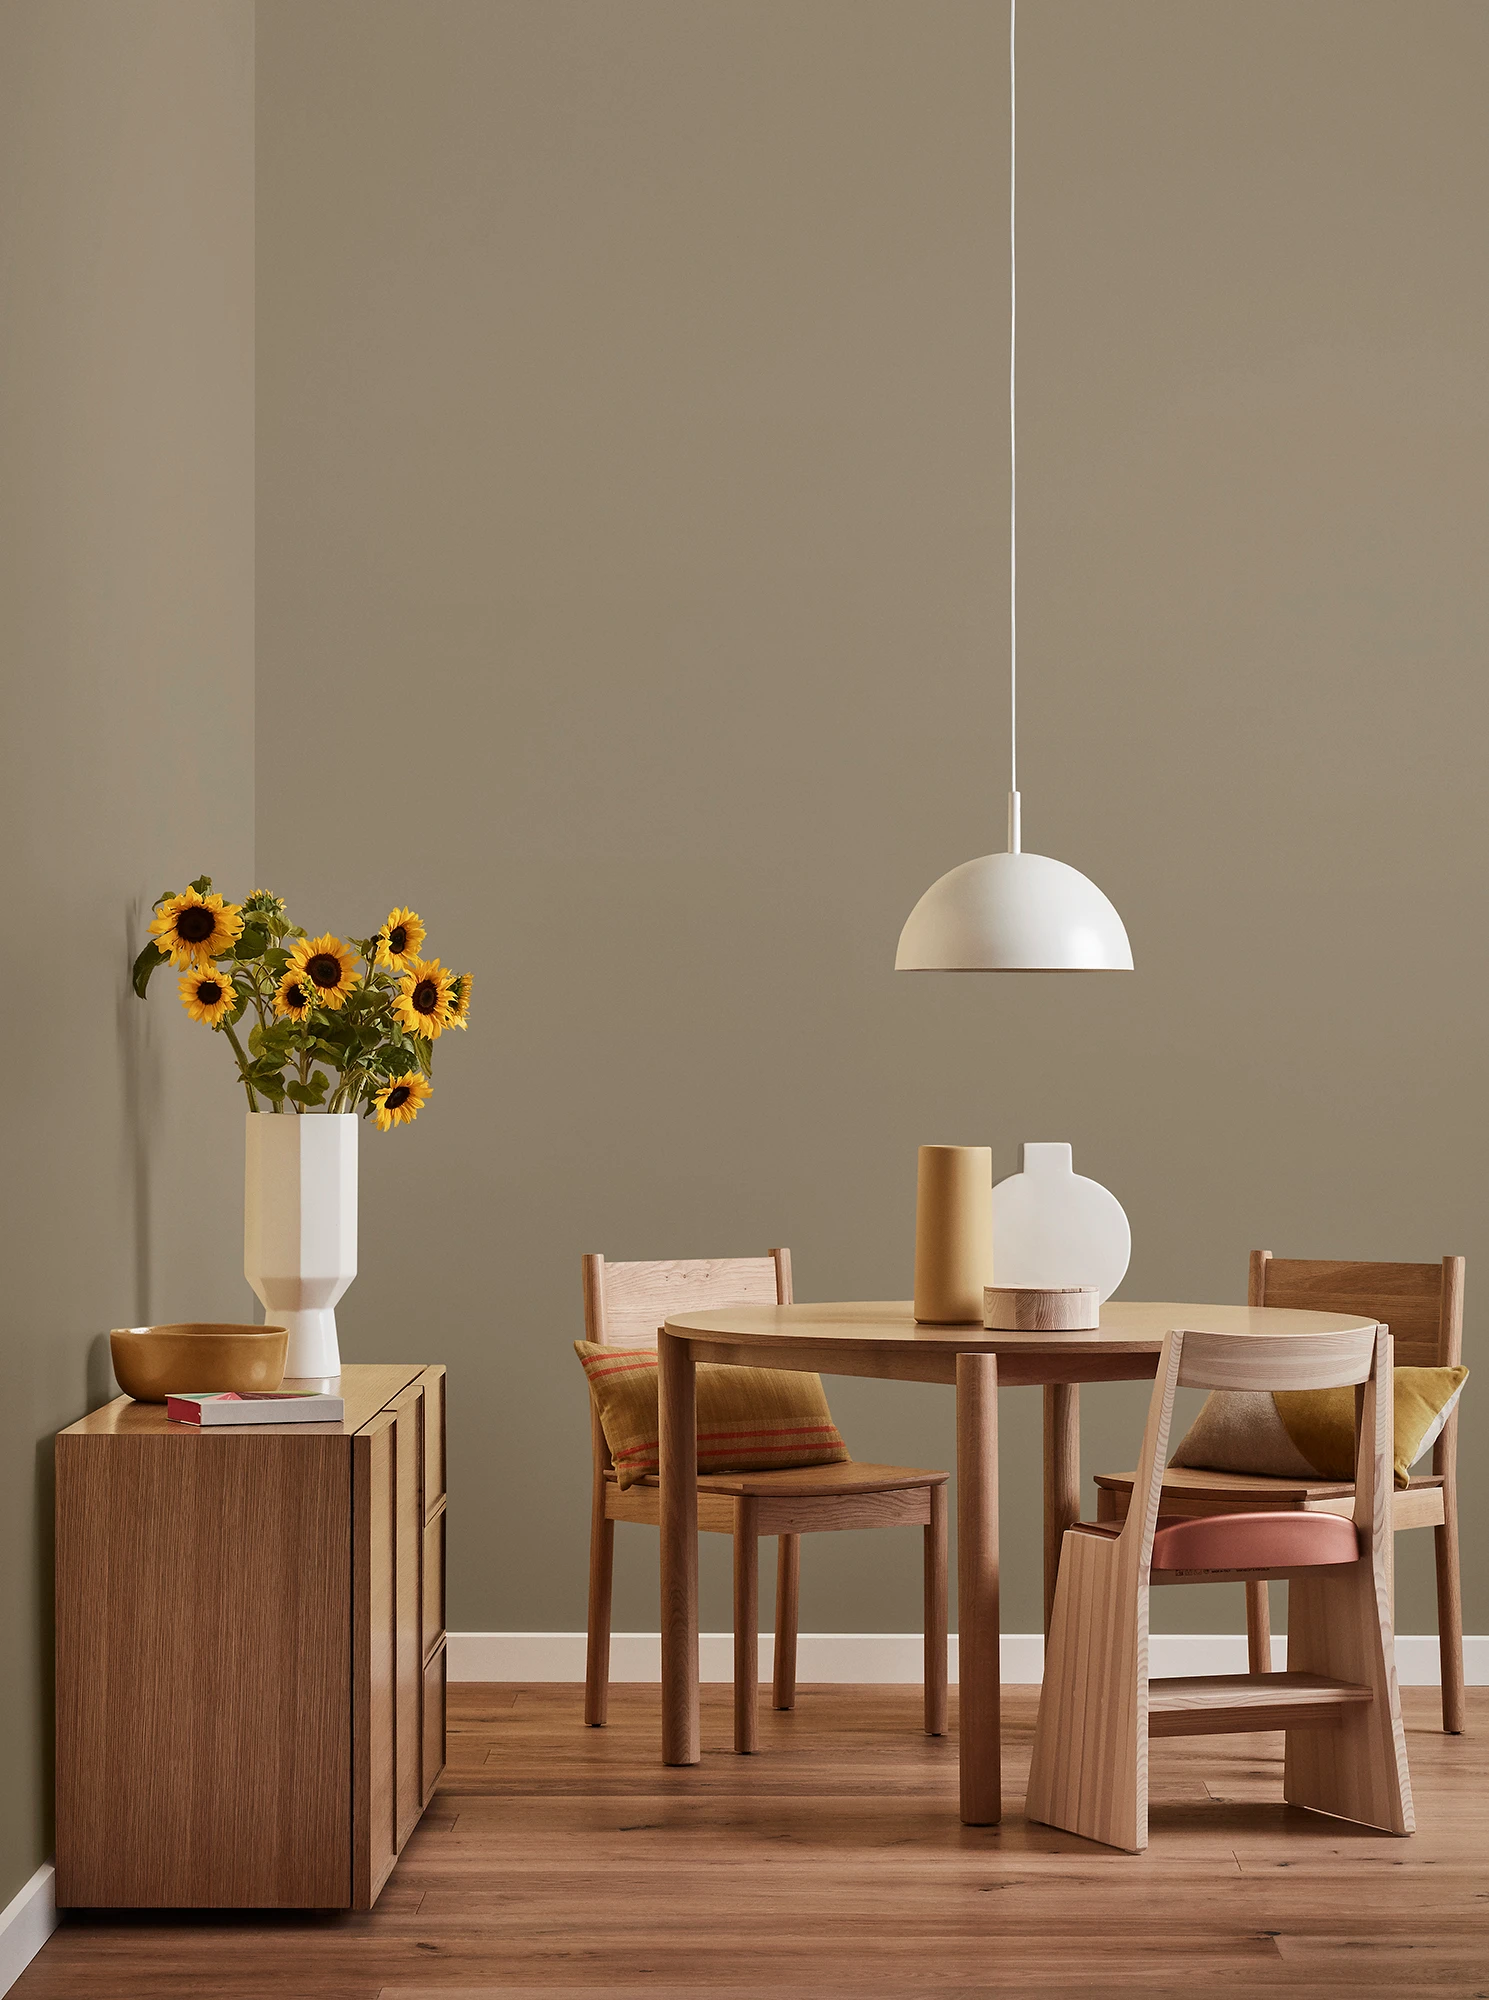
(434, 1582)
(434, 1438)
(434, 1721)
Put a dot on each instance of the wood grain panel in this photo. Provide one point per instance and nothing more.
(638, 1298)
(374, 1539)
(203, 1603)
(434, 1437)
(408, 1560)
(433, 1623)
(1216, 1704)
(907, 1509)
(432, 1760)
(1408, 1298)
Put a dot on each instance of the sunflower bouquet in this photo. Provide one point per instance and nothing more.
(334, 1025)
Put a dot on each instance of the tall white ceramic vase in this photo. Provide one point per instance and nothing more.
(300, 1228)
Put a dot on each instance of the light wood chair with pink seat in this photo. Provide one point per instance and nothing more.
(1338, 1702)
(624, 1305)
(1422, 1305)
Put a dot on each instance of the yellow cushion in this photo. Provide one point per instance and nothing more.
(749, 1419)
(1321, 1422)
(1310, 1433)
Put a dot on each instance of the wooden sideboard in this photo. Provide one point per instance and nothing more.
(250, 1650)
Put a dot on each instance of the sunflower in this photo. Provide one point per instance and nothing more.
(294, 998)
(399, 940)
(327, 966)
(460, 1002)
(193, 930)
(397, 1103)
(207, 995)
(424, 999)
(264, 903)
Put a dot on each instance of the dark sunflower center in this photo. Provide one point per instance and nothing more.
(323, 970)
(209, 993)
(426, 997)
(295, 996)
(195, 925)
(397, 1096)
(398, 940)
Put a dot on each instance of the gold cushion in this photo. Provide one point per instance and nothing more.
(749, 1419)
(1310, 1433)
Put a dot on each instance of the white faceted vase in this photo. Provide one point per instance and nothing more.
(300, 1228)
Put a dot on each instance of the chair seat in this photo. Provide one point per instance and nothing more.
(854, 1477)
(1192, 1490)
(1285, 1540)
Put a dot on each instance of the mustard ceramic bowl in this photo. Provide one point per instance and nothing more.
(153, 1362)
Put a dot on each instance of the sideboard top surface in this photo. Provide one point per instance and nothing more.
(365, 1389)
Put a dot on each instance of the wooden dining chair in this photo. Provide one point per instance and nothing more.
(1422, 1304)
(624, 1306)
(1338, 1701)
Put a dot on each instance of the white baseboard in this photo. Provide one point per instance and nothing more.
(26, 1922)
(885, 1657)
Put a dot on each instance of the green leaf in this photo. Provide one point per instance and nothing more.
(313, 1092)
(276, 960)
(397, 1062)
(202, 884)
(145, 964)
(252, 942)
(239, 1011)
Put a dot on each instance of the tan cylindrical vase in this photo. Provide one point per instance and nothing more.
(953, 1234)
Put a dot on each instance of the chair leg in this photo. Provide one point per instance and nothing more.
(1338, 1625)
(746, 1624)
(601, 1574)
(1450, 1612)
(935, 1615)
(1258, 1629)
(788, 1574)
(1089, 1771)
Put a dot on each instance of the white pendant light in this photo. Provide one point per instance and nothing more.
(1013, 912)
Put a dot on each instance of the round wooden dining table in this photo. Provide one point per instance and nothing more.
(884, 1340)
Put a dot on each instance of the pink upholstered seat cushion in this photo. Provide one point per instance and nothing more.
(1255, 1541)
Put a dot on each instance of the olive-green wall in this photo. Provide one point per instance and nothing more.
(126, 751)
(631, 595)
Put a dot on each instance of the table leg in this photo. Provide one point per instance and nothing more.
(979, 1691)
(678, 1479)
(1062, 1479)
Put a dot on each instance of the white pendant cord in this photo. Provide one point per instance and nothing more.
(1013, 462)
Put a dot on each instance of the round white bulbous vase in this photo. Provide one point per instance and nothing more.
(300, 1228)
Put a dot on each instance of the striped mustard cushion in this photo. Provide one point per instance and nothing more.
(749, 1419)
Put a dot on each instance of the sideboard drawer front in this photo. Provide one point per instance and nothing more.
(434, 1582)
(434, 1438)
(203, 1649)
(434, 1723)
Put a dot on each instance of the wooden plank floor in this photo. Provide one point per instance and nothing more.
(558, 1862)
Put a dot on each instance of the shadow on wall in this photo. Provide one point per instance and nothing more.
(41, 1624)
(140, 1069)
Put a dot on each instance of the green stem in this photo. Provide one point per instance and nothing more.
(242, 1065)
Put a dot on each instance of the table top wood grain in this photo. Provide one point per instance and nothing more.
(883, 1338)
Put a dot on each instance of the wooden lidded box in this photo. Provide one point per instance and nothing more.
(250, 1650)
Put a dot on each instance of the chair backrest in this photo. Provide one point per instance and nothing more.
(1422, 1304)
(1273, 1361)
(624, 1304)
